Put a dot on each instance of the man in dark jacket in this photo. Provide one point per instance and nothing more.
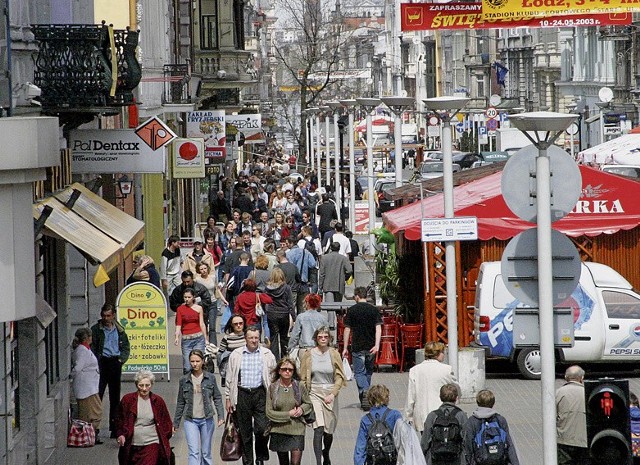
(203, 298)
(220, 206)
(110, 345)
(327, 212)
(485, 412)
(449, 394)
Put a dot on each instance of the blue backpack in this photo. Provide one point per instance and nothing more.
(490, 443)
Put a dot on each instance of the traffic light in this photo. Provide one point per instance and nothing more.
(608, 428)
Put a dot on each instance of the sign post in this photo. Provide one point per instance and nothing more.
(142, 310)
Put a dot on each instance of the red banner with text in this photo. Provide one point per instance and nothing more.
(425, 16)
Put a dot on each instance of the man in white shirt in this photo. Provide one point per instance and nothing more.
(345, 243)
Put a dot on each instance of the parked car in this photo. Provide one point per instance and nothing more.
(630, 171)
(495, 156)
(465, 159)
(433, 169)
(382, 203)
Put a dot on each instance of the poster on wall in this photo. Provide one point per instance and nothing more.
(142, 310)
(188, 158)
(210, 126)
(249, 125)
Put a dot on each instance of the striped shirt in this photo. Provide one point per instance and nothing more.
(251, 368)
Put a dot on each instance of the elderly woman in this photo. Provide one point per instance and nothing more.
(86, 378)
(198, 393)
(287, 404)
(322, 374)
(144, 425)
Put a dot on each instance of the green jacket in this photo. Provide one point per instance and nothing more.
(97, 341)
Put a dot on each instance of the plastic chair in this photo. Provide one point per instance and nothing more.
(410, 338)
(388, 353)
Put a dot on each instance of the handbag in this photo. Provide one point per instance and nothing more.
(259, 309)
(348, 373)
(81, 434)
(230, 445)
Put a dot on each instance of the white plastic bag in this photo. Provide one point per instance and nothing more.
(348, 373)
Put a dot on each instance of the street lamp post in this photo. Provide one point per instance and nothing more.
(316, 112)
(368, 105)
(309, 146)
(327, 145)
(350, 104)
(572, 107)
(337, 109)
(602, 106)
(398, 106)
(549, 125)
(448, 106)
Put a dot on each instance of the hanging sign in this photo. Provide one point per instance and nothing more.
(499, 9)
(210, 126)
(432, 16)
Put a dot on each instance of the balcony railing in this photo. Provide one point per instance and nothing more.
(176, 84)
(225, 65)
(75, 63)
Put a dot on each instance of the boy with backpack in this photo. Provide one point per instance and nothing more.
(442, 435)
(375, 445)
(486, 435)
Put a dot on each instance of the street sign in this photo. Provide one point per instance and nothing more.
(491, 112)
(492, 124)
(460, 128)
(519, 266)
(463, 228)
(504, 116)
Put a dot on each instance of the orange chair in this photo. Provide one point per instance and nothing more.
(410, 338)
(388, 353)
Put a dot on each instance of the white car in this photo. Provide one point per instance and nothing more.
(433, 169)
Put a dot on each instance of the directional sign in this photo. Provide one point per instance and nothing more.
(491, 112)
(460, 128)
(463, 228)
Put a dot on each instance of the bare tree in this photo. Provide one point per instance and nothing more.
(307, 48)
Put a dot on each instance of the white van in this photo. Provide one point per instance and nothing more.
(606, 316)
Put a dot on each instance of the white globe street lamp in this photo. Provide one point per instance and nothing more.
(350, 105)
(398, 106)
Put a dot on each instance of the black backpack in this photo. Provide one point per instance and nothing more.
(446, 435)
(310, 247)
(490, 443)
(380, 449)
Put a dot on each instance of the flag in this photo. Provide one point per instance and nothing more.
(501, 72)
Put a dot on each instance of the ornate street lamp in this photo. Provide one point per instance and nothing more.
(337, 109)
(326, 110)
(350, 105)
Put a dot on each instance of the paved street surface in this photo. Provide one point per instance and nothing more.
(518, 400)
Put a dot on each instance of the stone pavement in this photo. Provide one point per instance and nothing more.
(518, 400)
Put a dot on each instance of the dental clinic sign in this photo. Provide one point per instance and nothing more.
(114, 151)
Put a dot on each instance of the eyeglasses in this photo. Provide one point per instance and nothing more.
(286, 369)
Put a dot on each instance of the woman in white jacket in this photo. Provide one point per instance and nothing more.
(86, 377)
(426, 379)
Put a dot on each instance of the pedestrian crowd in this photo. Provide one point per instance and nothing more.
(280, 252)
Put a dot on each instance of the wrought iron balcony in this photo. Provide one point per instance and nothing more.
(176, 84)
(85, 68)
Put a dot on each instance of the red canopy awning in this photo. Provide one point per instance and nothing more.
(608, 203)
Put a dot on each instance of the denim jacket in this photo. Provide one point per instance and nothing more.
(184, 404)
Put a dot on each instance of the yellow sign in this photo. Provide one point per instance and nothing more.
(142, 311)
(509, 9)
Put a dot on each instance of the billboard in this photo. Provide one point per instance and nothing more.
(497, 9)
(210, 126)
(434, 16)
(249, 125)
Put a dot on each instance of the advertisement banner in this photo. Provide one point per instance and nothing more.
(496, 9)
(210, 126)
(113, 151)
(249, 125)
(142, 310)
(188, 158)
(432, 16)
(362, 217)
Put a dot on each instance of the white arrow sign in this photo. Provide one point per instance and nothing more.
(463, 228)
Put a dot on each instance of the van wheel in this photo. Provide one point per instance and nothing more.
(529, 364)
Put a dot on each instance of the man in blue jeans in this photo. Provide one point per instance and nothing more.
(366, 321)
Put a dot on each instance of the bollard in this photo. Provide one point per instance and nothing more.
(472, 373)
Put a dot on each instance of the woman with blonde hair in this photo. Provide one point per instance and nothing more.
(280, 313)
(261, 273)
(322, 374)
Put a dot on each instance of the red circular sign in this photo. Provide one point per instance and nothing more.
(188, 151)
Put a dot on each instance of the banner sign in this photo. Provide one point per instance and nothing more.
(188, 158)
(113, 151)
(142, 310)
(362, 217)
(432, 16)
(210, 126)
(250, 126)
(502, 9)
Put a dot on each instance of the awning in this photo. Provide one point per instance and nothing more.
(623, 150)
(104, 234)
(608, 204)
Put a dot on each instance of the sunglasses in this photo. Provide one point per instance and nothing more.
(287, 369)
